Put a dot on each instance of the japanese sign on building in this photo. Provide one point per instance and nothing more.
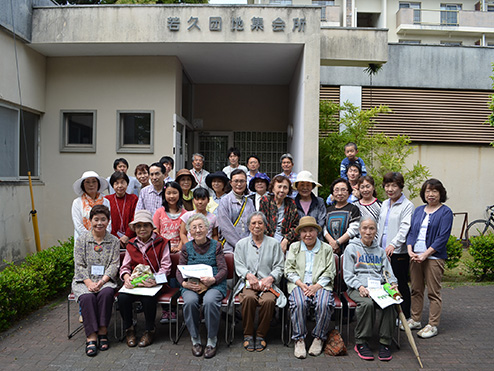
(237, 24)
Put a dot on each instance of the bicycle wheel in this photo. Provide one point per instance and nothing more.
(478, 227)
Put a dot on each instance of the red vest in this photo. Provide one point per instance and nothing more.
(137, 257)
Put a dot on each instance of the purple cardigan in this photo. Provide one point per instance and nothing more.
(438, 230)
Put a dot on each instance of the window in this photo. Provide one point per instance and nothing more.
(451, 43)
(19, 149)
(416, 13)
(413, 42)
(78, 132)
(135, 132)
(323, 4)
(449, 14)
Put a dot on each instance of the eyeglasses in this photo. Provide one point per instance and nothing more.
(197, 228)
(340, 190)
(141, 225)
(237, 181)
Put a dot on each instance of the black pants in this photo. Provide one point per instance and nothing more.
(148, 305)
(400, 264)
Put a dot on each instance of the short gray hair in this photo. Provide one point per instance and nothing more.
(200, 155)
(366, 218)
(257, 213)
(195, 217)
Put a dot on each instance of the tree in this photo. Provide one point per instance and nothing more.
(380, 152)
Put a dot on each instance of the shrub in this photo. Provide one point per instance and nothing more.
(27, 287)
(455, 249)
(482, 251)
(339, 125)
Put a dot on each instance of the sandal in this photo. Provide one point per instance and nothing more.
(260, 344)
(91, 349)
(103, 343)
(249, 343)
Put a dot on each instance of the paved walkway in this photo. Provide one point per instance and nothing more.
(465, 341)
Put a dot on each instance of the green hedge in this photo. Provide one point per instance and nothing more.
(482, 251)
(25, 288)
(455, 249)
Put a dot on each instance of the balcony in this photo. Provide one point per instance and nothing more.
(443, 22)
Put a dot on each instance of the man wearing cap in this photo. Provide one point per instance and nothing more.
(198, 172)
(150, 197)
(310, 270)
(286, 161)
(308, 204)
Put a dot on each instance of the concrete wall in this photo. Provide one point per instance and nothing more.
(471, 69)
(32, 67)
(465, 171)
(353, 47)
(242, 107)
(106, 85)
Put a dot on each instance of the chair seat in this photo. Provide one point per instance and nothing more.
(168, 295)
(337, 302)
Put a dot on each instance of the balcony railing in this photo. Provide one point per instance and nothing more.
(410, 18)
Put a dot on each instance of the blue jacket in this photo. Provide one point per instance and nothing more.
(438, 231)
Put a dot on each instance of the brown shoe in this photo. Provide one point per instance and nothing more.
(197, 350)
(131, 337)
(210, 352)
(147, 339)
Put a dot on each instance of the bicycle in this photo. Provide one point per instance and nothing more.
(479, 227)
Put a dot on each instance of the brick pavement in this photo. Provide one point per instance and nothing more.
(464, 342)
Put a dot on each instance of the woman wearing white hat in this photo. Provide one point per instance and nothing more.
(89, 187)
(308, 204)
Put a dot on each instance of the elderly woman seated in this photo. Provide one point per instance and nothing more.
(96, 261)
(208, 290)
(365, 264)
(152, 250)
(310, 270)
(259, 265)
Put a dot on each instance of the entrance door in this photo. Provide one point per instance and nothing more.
(181, 131)
(214, 145)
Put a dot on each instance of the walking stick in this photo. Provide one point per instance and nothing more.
(403, 320)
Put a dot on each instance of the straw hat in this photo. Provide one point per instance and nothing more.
(141, 216)
(186, 172)
(308, 221)
(261, 176)
(103, 183)
(305, 176)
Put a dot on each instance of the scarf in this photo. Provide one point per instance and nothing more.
(87, 205)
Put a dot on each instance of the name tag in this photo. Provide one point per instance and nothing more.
(97, 270)
(160, 278)
(373, 284)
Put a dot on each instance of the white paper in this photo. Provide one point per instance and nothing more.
(196, 270)
(382, 298)
(145, 291)
(97, 270)
(160, 278)
(373, 284)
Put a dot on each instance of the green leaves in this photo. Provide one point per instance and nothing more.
(380, 152)
(482, 250)
(455, 250)
(26, 287)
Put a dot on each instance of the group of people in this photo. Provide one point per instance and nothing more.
(283, 238)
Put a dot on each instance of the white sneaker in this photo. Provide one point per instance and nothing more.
(413, 325)
(316, 347)
(427, 332)
(299, 351)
